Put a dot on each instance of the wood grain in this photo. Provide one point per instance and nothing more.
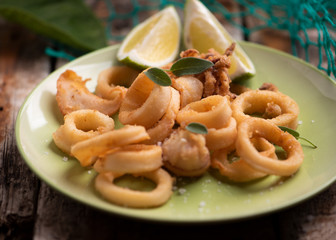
(22, 65)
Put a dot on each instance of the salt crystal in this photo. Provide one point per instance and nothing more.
(182, 191)
(202, 204)
(65, 159)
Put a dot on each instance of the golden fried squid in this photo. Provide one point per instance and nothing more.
(258, 127)
(88, 150)
(72, 94)
(236, 168)
(222, 137)
(104, 183)
(190, 89)
(155, 135)
(213, 111)
(81, 125)
(145, 102)
(185, 153)
(216, 114)
(275, 106)
(164, 127)
(136, 158)
(113, 81)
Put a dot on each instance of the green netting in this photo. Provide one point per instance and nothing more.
(311, 24)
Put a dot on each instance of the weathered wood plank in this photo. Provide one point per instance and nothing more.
(22, 66)
(313, 219)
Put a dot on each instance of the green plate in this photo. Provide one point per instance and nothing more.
(209, 198)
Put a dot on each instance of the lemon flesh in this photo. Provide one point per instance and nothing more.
(203, 31)
(153, 43)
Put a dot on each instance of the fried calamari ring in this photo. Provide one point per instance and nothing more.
(86, 151)
(185, 153)
(190, 89)
(257, 101)
(133, 198)
(110, 81)
(213, 111)
(130, 159)
(145, 102)
(72, 94)
(81, 125)
(239, 170)
(258, 127)
(223, 137)
(164, 127)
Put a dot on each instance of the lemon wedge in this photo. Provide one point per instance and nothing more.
(203, 31)
(154, 42)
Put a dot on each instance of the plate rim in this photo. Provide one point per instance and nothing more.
(122, 213)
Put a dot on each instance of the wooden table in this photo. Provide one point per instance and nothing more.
(29, 209)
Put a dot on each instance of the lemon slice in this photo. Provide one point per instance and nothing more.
(153, 43)
(203, 31)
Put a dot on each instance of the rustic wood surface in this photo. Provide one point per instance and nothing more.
(29, 209)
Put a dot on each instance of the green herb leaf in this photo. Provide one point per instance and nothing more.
(158, 76)
(69, 22)
(296, 135)
(197, 128)
(290, 131)
(190, 65)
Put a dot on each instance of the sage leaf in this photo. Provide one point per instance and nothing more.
(197, 128)
(296, 135)
(190, 65)
(158, 76)
(290, 131)
(69, 22)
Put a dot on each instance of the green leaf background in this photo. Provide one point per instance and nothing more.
(70, 22)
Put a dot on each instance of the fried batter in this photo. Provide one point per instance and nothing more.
(185, 153)
(72, 94)
(269, 87)
(216, 80)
